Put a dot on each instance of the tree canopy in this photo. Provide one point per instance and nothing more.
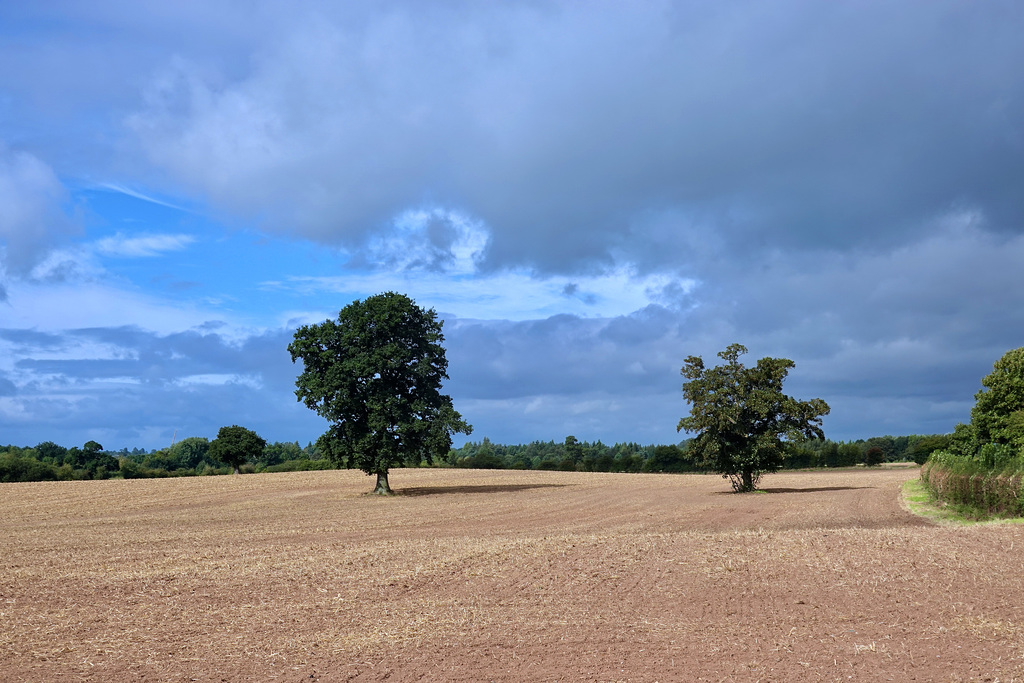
(741, 417)
(375, 374)
(998, 413)
(191, 452)
(234, 445)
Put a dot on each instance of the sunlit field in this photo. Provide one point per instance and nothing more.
(499, 575)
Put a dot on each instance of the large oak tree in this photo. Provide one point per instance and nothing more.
(741, 417)
(375, 374)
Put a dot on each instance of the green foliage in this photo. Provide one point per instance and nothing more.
(669, 458)
(132, 469)
(632, 457)
(235, 445)
(1013, 430)
(741, 417)
(848, 455)
(581, 456)
(887, 449)
(375, 374)
(188, 457)
(482, 461)
(50, 462)
(823, 453)
(483, 458)
(573, 453)
(300, 465)
(191, 453)
(991, 483)
(997, 414)
(278, 452)
(964, 440)
(51, 453)
(925, 446)
(164, 460)
(874, 456)
(983, 465)
(178, 460)
(22, 468)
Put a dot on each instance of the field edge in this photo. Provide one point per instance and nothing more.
(918, 500)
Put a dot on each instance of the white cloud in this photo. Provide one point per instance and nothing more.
(507, 295)
(430, 240)
(31, 219)
(219, 379)
(136, 194)
(142, 246)
(51, 307)
(436, 257)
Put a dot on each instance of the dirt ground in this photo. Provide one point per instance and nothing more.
(501, 576)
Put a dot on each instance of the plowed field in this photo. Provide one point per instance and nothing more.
(501, 576)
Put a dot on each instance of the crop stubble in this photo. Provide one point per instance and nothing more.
(483, 575)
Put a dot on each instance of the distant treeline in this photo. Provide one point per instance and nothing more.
(49, 461)
(573, 455)
(188, 457)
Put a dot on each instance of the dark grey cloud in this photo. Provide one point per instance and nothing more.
(567, 128)
(565, 355)
(563, 126)
(579, 134)
(25, 340)
(896, 341)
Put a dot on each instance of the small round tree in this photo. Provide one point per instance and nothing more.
(874, 456)
(234, 446)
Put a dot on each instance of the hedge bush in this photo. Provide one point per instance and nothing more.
(301, 465)
(991, 483)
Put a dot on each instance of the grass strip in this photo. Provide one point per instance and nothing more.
(920, 500)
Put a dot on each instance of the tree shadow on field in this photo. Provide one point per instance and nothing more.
(811, 489)
(482, 488)
(816, 489)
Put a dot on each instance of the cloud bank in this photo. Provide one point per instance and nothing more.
(587, 192)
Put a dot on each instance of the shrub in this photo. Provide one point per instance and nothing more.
(925, 446)
(15, 468)
(874, 456)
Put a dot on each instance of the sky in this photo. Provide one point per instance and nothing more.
(586, 193)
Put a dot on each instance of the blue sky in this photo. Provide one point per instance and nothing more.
(587, 193)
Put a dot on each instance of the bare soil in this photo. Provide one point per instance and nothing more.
(501, 576)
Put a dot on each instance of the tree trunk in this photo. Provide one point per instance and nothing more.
(382, 488)
(748, 480)
(237, 471)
